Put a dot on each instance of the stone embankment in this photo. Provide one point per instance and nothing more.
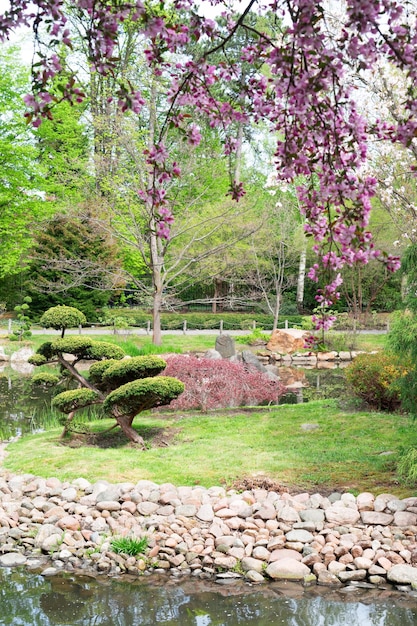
(257, 534)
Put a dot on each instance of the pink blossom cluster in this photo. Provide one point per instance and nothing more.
(305, 96)
(155, 197)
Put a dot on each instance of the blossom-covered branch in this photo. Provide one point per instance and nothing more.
(302, 89)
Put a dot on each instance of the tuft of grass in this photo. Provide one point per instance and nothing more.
(407, 467)
(129, 545)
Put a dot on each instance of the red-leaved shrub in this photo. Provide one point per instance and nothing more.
(216, 384)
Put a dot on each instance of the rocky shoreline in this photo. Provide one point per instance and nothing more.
(255, 535)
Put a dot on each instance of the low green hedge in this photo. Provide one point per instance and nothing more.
(198, 321)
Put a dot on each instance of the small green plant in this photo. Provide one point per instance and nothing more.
(22, 322)
(238, 569)
(255, 336)
(129, 545)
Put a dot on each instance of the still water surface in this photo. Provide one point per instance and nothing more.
(28, 599)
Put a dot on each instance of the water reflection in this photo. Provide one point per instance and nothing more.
(28, 599)
(22, 407)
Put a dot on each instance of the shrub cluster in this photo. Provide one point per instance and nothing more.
(212, 384)
(375, 377)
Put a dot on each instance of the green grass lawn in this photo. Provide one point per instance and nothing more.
(354, 451)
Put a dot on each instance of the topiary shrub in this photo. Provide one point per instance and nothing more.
(46, 350)
(95, 374)
(44, 379)
(72, 345)
(375, 378)
(143, 394)
(220, 384)
(37, 359)
(123, 372)
(104, 350)
(75, 399)
(62, 317)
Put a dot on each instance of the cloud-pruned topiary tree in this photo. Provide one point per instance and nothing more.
(124, 387)
(62, 317)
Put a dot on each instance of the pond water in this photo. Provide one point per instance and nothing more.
(28, 599)
(23, 409)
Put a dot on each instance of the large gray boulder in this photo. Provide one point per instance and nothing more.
(225, 344)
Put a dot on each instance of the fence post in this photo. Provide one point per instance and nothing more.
(221, 326)
(9, 328)
(286, 325)
(79, 329)
(184, 327)
(254, 325)
(148, 327)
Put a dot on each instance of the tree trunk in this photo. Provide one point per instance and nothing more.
(125, 423)
(277, 309)
(156, 255)
(301, 280)
(217, 284)
(67, 423)
(156, 310)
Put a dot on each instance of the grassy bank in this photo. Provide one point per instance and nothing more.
(354, 451)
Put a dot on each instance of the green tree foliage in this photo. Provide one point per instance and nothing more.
(123, 387)
(409, 270)
(73, 263)
(21, 185)
(21, 325)
(402, 341)
(64, 152)
(62, 317)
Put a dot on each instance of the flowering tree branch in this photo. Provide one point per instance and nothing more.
(304, 95)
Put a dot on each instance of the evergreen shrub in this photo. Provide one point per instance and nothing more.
(61, 317)
(143, 394)
(375, 377)
(44, 379)
(74, 399)
(122, 372)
